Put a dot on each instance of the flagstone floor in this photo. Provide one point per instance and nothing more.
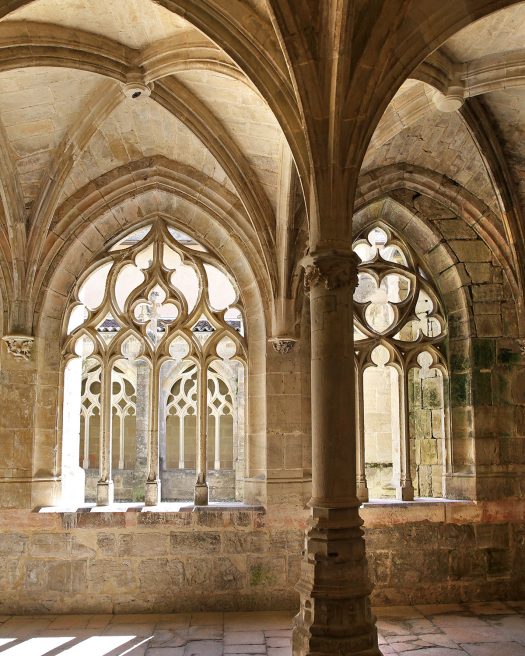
(483, 629)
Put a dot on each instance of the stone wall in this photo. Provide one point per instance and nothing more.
(228, 559)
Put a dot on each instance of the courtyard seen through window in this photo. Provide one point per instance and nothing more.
(155, 354)
(399, 332)
(154, 377)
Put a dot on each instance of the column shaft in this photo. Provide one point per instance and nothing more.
(217, 441)
(121, 442)
(362, 487)
(181, 442)
(105, 493)
(152, 492)
(201, 486)
(335, 616)
(85, 460)
(142, 413)
(405, 490)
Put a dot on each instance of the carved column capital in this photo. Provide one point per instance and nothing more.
(283, 345)
(332, 269)
(19, 346)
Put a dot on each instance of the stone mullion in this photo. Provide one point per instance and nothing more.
(122, 419)
(201, 486)
(334, 588)
(362, 487)
(105, 492)
(152, 494)
(85, 461)
(142, 410)
(405, 489)
(217, 441)
(181, 440)
(239, 431)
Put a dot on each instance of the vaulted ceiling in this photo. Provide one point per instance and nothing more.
(69, 71)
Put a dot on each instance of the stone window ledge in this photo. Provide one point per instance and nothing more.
(164, 507)
(185, 516)
(176, 515)
(418, 501)
(384, 512)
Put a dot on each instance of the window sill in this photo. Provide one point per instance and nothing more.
(418, 501)
(164, 507)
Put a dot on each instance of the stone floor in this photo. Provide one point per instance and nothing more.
(485, 629)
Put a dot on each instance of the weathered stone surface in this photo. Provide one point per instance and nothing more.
(139, 544)
(245, 542)
(420, 555)
(164, 576)
(12, 544)
(198, 543)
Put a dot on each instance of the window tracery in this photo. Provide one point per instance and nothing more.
(400, 333)
(157, 297)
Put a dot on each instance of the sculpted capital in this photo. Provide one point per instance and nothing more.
(332, 269)
(19, 346)
(283, 345)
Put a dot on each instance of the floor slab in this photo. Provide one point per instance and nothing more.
(484, 629)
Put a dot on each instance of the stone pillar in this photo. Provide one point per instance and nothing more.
(152, 492)
(239, 431)
(335, 615)
(141, 430)
(105, 492)
(288, 485)
(362, 486)
(201, 485)
(405, 489)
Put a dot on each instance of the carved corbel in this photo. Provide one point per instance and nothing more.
(453, 98)
(521, 344)
(19, 346)
(283, 345)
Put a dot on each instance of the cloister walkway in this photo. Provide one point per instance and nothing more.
(482, 629)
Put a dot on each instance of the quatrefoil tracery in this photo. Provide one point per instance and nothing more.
(394, 299)
(154, 288)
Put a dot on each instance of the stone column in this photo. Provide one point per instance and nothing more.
(140, 471)
(239, 432)
(105, 492)
(335, 615)
(362, 486)
(405, 490)
(152, 492)
(201, 485)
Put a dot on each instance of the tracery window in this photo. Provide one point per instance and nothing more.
(155, 350)
(400, 334)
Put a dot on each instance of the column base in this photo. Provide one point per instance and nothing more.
(362, 492)
(152, 493)
(335, 615)
(202, 495)
(105, 493)
(405, 493)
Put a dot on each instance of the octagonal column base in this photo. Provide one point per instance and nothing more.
(105, 493)
(335, 615)
(152, 493)
(202, 494)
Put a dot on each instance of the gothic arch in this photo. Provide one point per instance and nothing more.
(83, 231)
(380, 182)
